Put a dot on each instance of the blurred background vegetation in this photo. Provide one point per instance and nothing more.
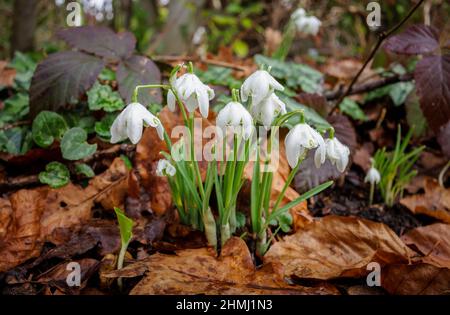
(184, 27)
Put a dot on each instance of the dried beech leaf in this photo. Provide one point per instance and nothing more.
(435, 202)
(199, 271)
(38, 215)
(57, 276)
(432, 77)
(416, 40)
(417, 279)
(433, 242)
(335, 247)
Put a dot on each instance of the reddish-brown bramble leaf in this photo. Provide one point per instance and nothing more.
(61, 78)
(432, 77)
(100, 41)
(138, 70)
(416, 40)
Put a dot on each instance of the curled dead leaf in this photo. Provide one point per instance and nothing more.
(417, 279)
(200, 271)
(335, 246)
(433, 242)
(435, 202)
(39, 215)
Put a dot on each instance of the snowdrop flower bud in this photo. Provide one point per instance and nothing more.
(164, 168)
(269, 108)
(373, 176)
(130, 123)
(297, 14)
(321, 153)
(235, 115)
(259, 85)
(299, 140)
(337, 153)
(308, 25)
(192, 92)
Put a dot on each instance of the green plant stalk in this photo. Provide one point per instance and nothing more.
(120, 261)
(372, 188)
(286, 42)
(134, 97)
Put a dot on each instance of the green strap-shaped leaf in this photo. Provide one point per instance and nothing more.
(85, 170)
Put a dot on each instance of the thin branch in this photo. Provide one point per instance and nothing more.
(369, 86)
(197, 59)
(381, 38)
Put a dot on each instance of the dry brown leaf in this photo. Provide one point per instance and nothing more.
(199, 271)
(433, 242)
(417, 279)
(7, 75)
(435, 202)
(57, 276)
(346, 69)
(335, 246)
(35, 216)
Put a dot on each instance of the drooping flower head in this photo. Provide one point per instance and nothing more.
(131, 121)
(165, 168)
(337, 153)
(259, 85)
(299, 140)
(373, 175)
(191, 91)
(269, 108)
(308, 25)
(237, 118)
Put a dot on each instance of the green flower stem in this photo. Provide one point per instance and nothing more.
(372, 189)
(120, 261)
(194, 163)
(286, 185)
(134, 98)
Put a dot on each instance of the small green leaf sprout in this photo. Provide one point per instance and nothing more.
(396, 167)
(126, 234)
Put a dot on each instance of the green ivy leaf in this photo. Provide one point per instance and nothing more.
(107, 75)
(219, 76)
(17, 140)
(74, 145)
(16, 107)
(352, 109)
(25, 67)
(400, 91)
(284, 221)
(102, 127)
(56, 175)
(125, 226)
(48, 126)
(102, 97)
(311, 116)
(85, 170)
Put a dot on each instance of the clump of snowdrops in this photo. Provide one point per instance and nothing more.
(246, 131)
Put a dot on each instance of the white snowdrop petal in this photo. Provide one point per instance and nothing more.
(171, 101)
(203, 101)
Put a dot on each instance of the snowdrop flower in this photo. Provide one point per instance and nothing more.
(131, 121)
(308, 25)
(164, 168)
(321, 153)
(269, 108)
(297, 14)
(299, 140)
(235, 115)
(192, 92)
(373, 176)
(259, 85)
(337, 153)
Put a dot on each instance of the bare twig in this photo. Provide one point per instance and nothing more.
(197, 59)
(16, 124)
(381, 38)
(369, 86)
